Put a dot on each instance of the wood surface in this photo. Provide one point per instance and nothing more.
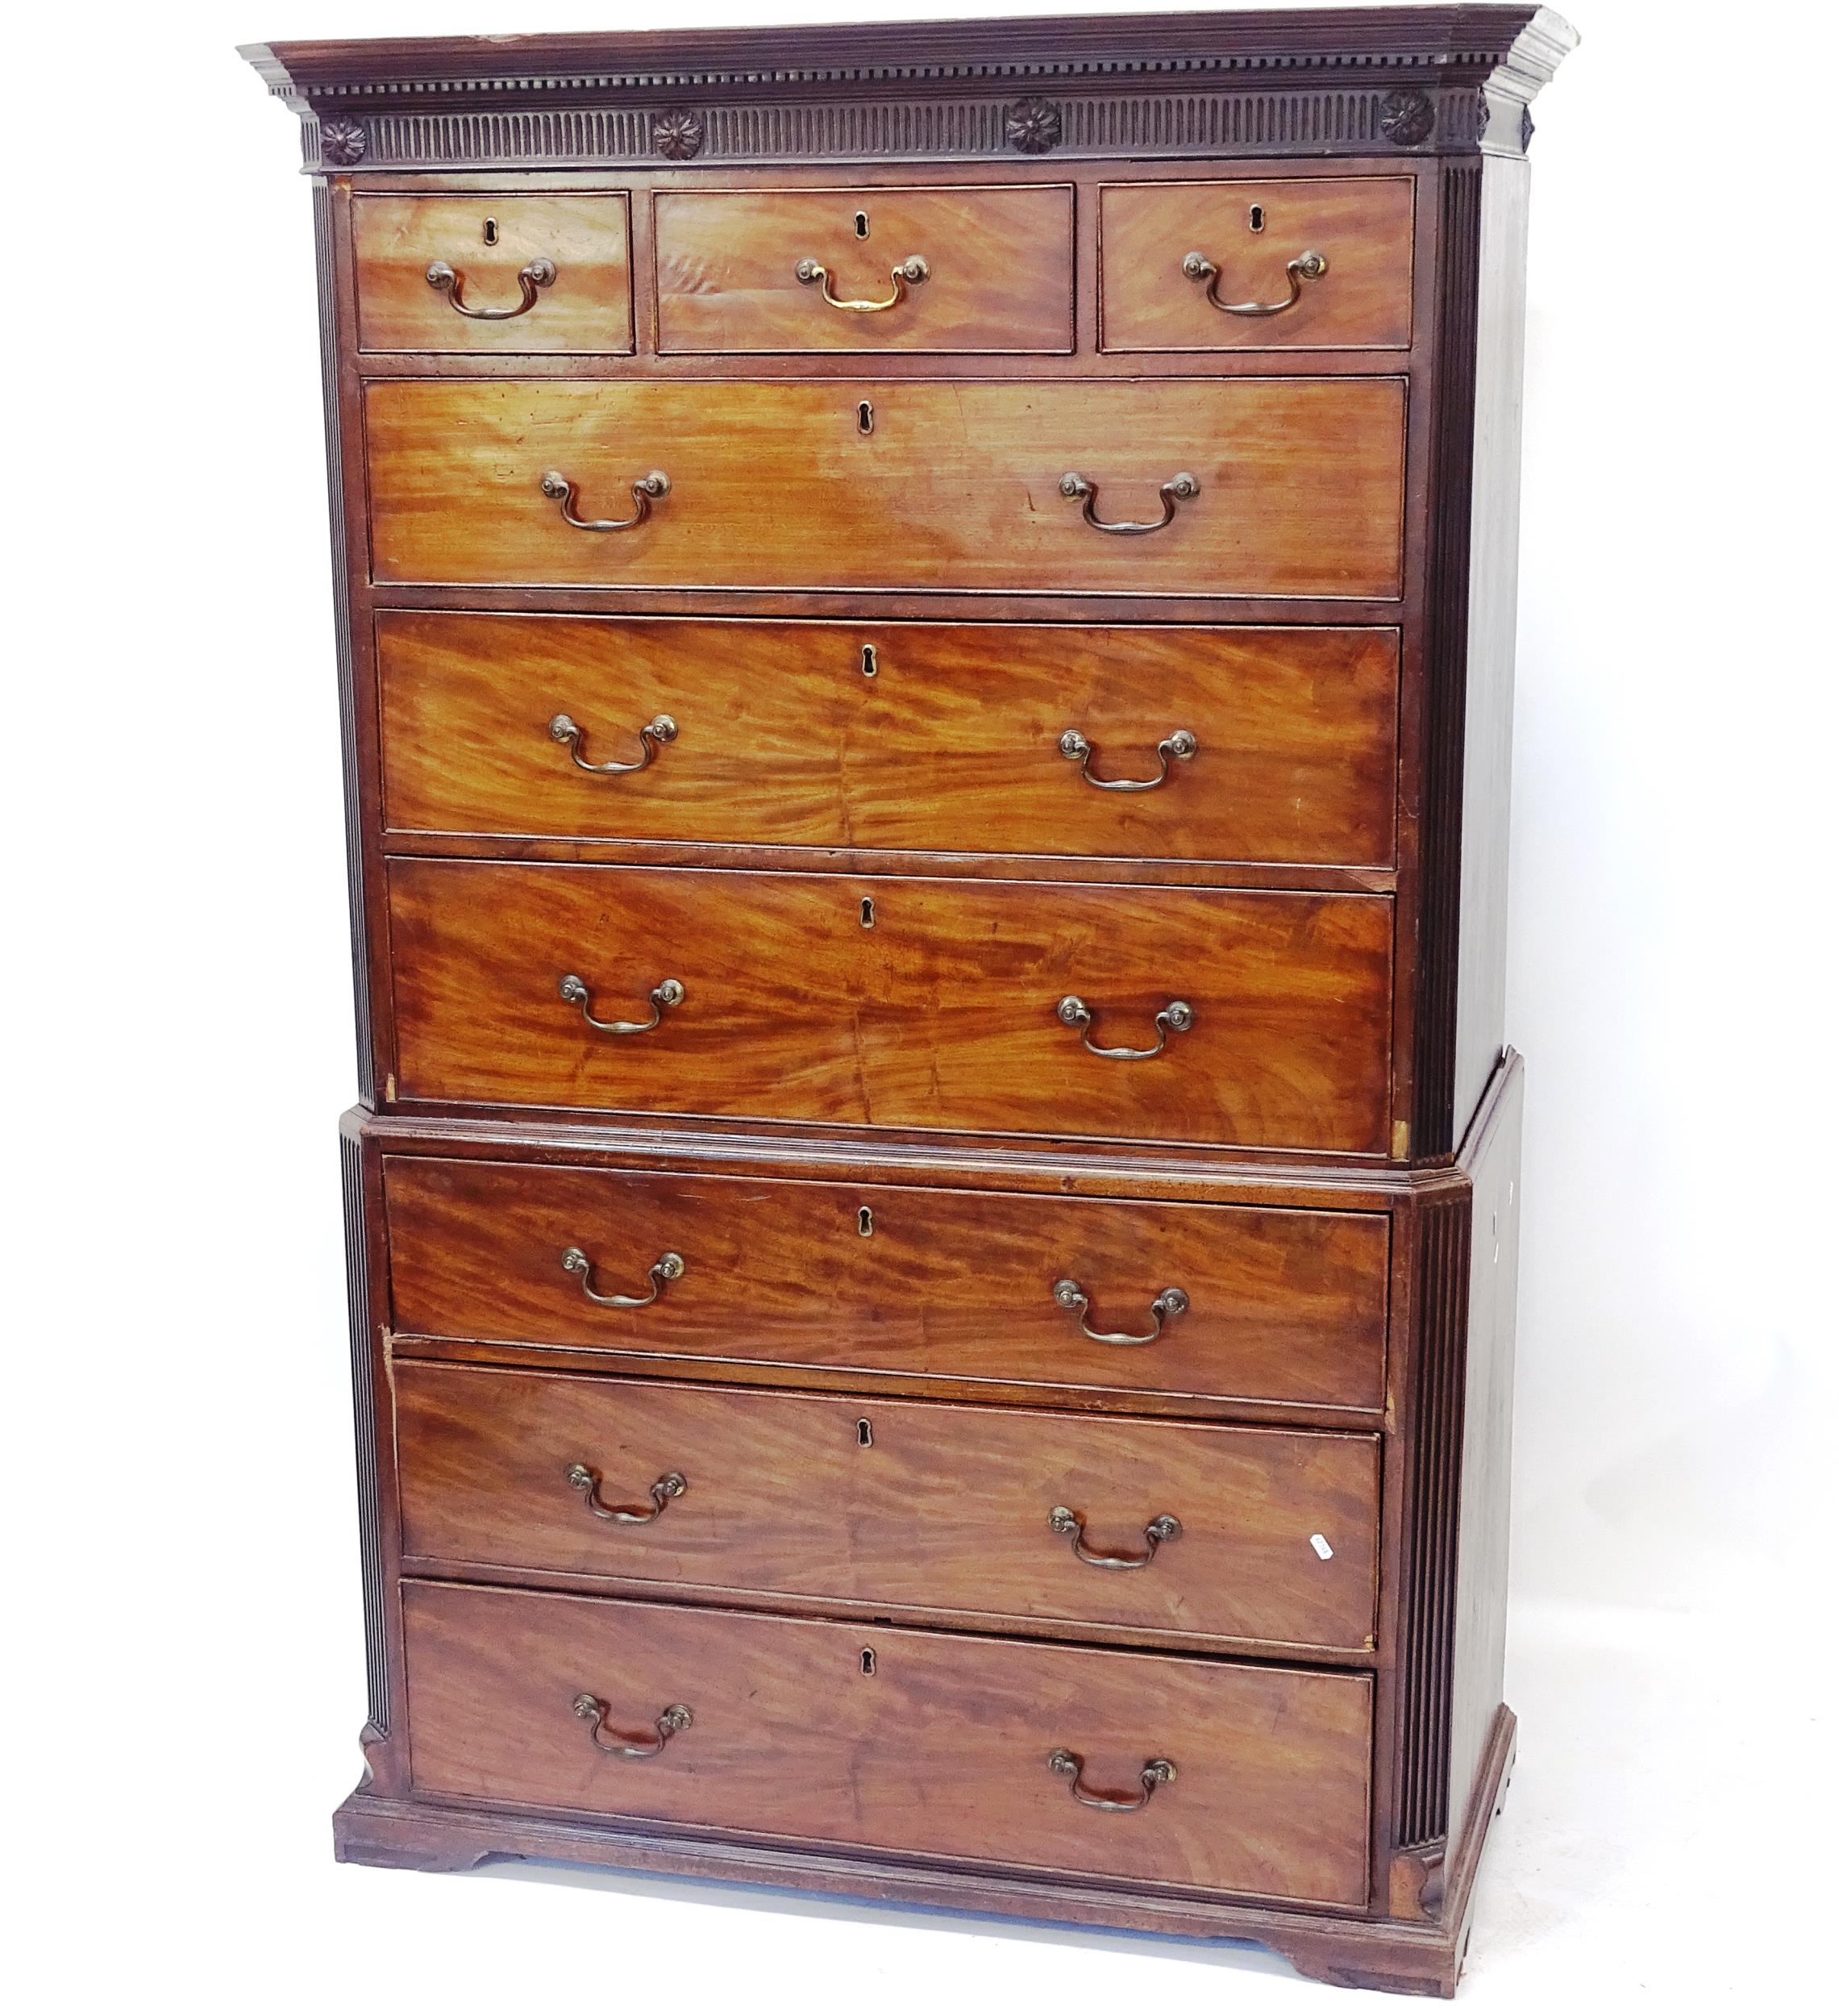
(942, 1750)
(896, 1502)
(587, 307)
(1285, 1306)
(957, 485)
(1361, 228)
(999, 265)
(950, 743)
(943, 1013)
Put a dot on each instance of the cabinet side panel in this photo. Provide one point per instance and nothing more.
(1479, 1652)
(325, 256)
(1433, 1133)
(1494, 579)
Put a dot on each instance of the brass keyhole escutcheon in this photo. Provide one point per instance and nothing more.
(862, 224)
(1256, 220)
(865, 417)
(865, 1223)
(868, 913)
(871, 665)
(491, 230)
(869, 1662)
(864, 1434)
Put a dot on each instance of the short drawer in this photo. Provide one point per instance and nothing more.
(1282, 1307)
(999, 1513)
(911, 270)
(1316, 264)
(1260, 745)
(1296, 489)
(964, 1749)
(892, 1001)
(511, 274)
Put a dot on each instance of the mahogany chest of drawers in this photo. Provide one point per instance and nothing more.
(925, 626)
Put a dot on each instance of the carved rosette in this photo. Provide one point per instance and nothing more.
(1407, 117)
(341, 143)
(1033, 125)
(677, 135)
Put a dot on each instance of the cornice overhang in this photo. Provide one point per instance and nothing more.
(1430, 79)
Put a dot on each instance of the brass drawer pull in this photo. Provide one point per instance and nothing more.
(1068, 1764)
(592, 1709)
(672, 1485)
(666, 994)
(1178, 748)
(557, 485)
(1175, 1017)
(667, 1267)
(910, 273)
(1309, 265)
(1178, 490)
(539, 272)
(663, 729)
(1170, 1302)
(1166, 1526)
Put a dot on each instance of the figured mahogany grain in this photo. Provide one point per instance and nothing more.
(999, 264)
(949, 741)
(942, 1750)
(899, 1503)
(954, 485)
(587, 307)
(1362, 228)
(1284, 1306)
(934, 1007)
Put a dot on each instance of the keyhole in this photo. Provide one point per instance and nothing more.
(865, 418)
(868, 1661)
(1257, 217)
(862, 224)
(491, 230)
(870, 665)
(868, 913)
(864, 1434)
(865, 1222)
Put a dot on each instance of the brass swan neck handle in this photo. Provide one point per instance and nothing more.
(1309, 265)
(1068, 1764)
(1178, 490)
(562, 490)
(910, 273)
(539, 272)
(591, 1709)
(1069, 1525)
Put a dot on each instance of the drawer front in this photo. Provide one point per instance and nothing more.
(897, 1003)
(997, 1512)
(934, 737)
(516, 274)
(950, 486)
(1259, 246)
(942, 1750)
(1281, 1305)
(948, 270)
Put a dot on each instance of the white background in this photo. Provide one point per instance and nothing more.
(187, 1646)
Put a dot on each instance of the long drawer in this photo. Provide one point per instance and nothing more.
(897, 1002)
(1275, 1306)
(1270, 745)
(1259, 1535)
(901, 484)
(1253, 1779)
